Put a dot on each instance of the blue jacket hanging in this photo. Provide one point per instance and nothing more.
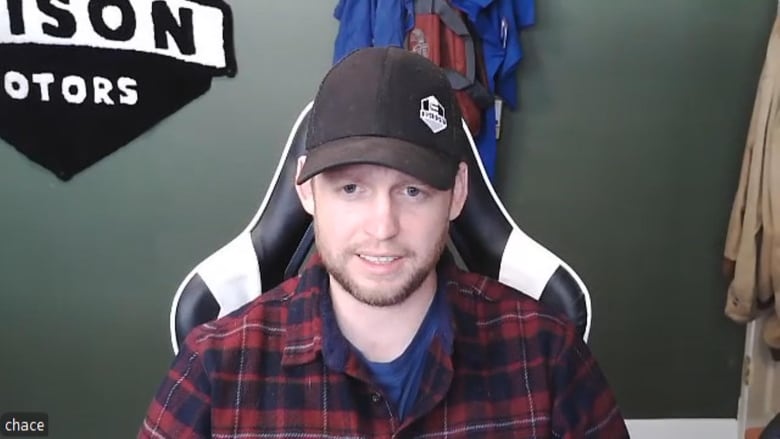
(367, 23)
(497, 23)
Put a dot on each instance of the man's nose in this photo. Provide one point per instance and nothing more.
(383, 221)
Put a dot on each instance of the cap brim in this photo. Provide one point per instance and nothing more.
(419, 162)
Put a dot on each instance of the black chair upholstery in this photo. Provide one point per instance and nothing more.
(275, 244)
(772, 430)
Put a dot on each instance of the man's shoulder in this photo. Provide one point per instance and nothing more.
(495, 304)
(265, 315)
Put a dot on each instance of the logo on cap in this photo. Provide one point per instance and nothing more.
(432, 113)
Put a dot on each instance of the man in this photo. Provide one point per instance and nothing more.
(380, 337)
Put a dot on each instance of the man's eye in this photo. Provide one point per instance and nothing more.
(349, 188)
(413, 191)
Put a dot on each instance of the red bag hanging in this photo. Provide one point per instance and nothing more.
(440, 34)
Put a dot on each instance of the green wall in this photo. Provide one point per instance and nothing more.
(623, 160)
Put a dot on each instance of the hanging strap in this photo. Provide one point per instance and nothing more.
(452, 19)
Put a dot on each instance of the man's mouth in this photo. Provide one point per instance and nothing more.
(379, 259)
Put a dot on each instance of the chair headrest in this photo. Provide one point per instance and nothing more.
(275, 243)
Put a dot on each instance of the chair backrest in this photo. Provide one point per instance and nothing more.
(275, 244)
(772, 430)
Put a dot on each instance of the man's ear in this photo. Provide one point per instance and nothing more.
(460, 190)
(305, 190)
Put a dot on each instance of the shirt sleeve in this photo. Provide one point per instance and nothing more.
(181, 407)
(472, 8)
(584, 405)
(390, 22)
(525, 13)
(355, 27)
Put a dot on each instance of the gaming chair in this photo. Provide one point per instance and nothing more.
(275, 244)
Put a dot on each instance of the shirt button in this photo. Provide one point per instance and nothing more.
(376, 398)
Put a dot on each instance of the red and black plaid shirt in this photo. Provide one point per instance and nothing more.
(271, 370)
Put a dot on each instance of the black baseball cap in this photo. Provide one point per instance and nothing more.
(386, 106)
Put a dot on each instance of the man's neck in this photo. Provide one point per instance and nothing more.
(381, 334)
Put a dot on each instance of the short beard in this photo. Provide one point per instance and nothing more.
(408, 287)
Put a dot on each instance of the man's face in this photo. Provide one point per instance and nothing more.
(380, 232)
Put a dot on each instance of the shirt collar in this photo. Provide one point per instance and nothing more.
(312, 328)
(302, 339)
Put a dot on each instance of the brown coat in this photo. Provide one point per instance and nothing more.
(753, 237)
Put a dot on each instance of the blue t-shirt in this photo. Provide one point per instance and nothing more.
(367, 23)
(400, 378)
